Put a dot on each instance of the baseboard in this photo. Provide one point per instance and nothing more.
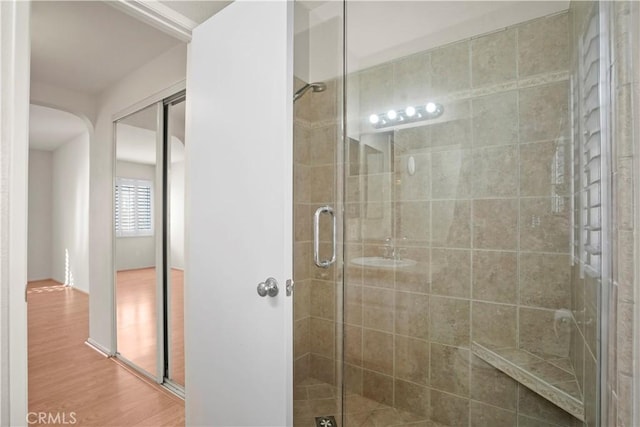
(97, 347)
(79, 290)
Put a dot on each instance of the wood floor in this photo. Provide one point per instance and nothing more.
(137, 327)
(65, 375)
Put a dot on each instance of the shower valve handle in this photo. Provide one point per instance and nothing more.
(268, 287)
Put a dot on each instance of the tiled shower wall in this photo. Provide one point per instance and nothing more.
(486, 217)
(586, 280)
(317, 291)
(623, 327)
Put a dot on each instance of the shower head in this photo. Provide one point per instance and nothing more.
(316, 87)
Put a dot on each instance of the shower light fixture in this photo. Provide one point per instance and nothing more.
(427, 111)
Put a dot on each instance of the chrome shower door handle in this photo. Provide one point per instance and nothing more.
(316, 237)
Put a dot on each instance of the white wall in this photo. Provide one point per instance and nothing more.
(177, 214)
(134, 252)
(70, 213)
(160, 74)
(40, 214)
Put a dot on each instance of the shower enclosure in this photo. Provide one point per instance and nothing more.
(449, 156)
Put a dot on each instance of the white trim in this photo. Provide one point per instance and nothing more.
(158, 16)
(15, 49)
(148, 101)
(97, 347)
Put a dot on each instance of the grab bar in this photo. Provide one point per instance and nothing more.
(316, 237)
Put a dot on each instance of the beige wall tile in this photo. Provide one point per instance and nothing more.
(490, 416)
(448, 409)
(450, 68)
(451, 174)
(412, 315)
(495, 276)
(538, 336)
(544, 112)
(411, 359)
(416, 278)
(495, 223)
(323, 142)
(322, 184)
(376, 89)
(624, 193)
(493, 58)
(413, 222)
(322, 368)
(449, 321)
(302, 300)
(539, 174)
(377, 308)
(544, 224)
(353, 345)
(451, 272)
(416, 186)
(375, 351)
(545, 280)
(301, 369)
(450, 369)
(323, 333)
(414, 138)
(412, 79)
(543, 45)
(495, 171)
(625, 262)
(301, 337)
(626, 331)
(300, 143)
(412, 398)
(534, 406)
(489, 385)
(302, 222)
(377, 387)
(301, 257)
(452, 134)
(353, 304)
(451, 224)
(494, 324)
(495, 119)
(352, 376)
(323, 299)
(301, 183)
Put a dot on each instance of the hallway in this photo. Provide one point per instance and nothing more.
(70, 380)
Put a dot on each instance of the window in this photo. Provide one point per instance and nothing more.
(133, 207)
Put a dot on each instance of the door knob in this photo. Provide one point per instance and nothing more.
(268, 287)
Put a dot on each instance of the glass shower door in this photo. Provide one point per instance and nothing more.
(466, 294)
(317, 201)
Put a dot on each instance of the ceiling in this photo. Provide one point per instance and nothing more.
(198, 11)
(50, 128)
(87, 45)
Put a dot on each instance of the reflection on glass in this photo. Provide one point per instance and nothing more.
(176, 231)
(135, 243)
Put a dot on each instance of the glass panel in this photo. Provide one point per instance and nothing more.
(176, 233)
(135, 247)
(317, 182)
(461, 170)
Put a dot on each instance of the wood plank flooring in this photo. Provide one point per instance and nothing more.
(136, 308)
(65, 375)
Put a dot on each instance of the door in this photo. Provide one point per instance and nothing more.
(239, 210)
